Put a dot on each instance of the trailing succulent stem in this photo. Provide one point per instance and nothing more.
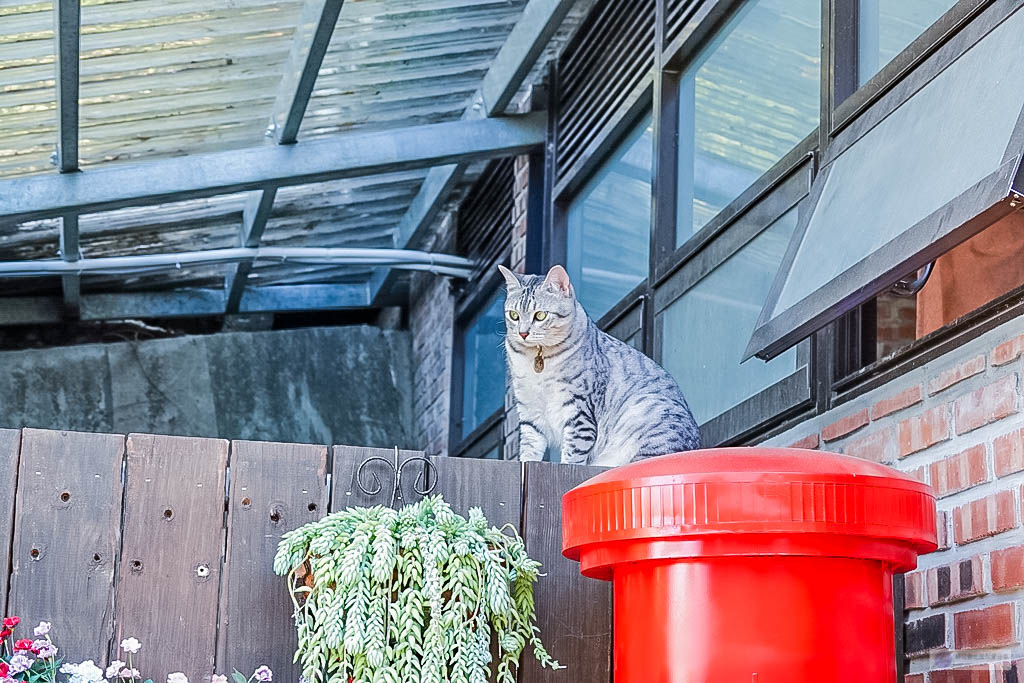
(417, 594)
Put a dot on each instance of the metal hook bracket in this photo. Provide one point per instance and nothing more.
(419, 486)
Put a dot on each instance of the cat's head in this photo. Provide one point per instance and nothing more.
(539, 310)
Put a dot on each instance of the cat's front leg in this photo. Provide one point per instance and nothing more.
(579, 438)
(532, 442)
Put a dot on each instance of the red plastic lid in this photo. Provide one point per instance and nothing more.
(747, 501)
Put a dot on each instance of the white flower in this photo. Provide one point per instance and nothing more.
(129, 674)
(264, 674)
(177, 677)
(42, 629)
(218, 678)
(68, 668)
(130, 645)
(8, 679)
(114, 670)
(86, 672)
(20, 663)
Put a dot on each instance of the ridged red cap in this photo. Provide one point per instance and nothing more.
(747, 501)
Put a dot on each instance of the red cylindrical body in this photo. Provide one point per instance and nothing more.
(759, 565)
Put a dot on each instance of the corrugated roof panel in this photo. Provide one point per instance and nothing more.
(163, 78)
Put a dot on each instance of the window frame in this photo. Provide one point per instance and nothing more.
(786, 187)
(979, 206)
(622, 124)
(489, 434)
(847, 99)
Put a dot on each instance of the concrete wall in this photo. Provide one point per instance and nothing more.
(347, 385)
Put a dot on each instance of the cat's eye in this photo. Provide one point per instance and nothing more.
(513, 315)
(540, 315)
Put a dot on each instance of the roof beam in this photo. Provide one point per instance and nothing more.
(186, 302)
(522, 48)
(330, 158)
(309, 46)
(254, 221)
(67, 19)
(71, 283)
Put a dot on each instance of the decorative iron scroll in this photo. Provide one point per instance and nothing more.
(418, 486)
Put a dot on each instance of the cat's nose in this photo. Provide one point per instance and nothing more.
(524, 335)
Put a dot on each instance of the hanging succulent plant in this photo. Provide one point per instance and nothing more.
(409, 595)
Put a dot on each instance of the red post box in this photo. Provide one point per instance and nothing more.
(750, 565)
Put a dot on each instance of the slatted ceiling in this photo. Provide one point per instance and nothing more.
(484, 220)
(609, 56)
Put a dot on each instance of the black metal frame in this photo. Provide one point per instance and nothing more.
(845, 98)
(838, 353)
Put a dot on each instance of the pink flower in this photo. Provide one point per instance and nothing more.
(44, 649)
(20, 663)
(129, 674)
(264, 674)
(218, 678)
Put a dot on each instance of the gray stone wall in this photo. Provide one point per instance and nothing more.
(336, 385)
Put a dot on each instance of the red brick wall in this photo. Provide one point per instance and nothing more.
(955, 423)
(896, 322)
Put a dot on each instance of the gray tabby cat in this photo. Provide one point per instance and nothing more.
(598, 400)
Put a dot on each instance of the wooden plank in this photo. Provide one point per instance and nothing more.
(66, 537)
(274, 488)
(574, 613)
(345, 490)
(494, 486)
(169, 575)
(10, 445)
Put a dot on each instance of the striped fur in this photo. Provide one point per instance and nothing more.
(597, 400)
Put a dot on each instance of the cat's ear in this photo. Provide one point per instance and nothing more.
(558, 280)
(511, 278)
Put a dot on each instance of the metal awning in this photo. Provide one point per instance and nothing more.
(936, 161)
(193, 126)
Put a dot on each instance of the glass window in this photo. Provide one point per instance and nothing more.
(749, 97)
(609, 226)
(483, 384)
(704, 331)
(885, 27)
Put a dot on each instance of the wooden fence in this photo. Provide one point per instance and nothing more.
(171, 540)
